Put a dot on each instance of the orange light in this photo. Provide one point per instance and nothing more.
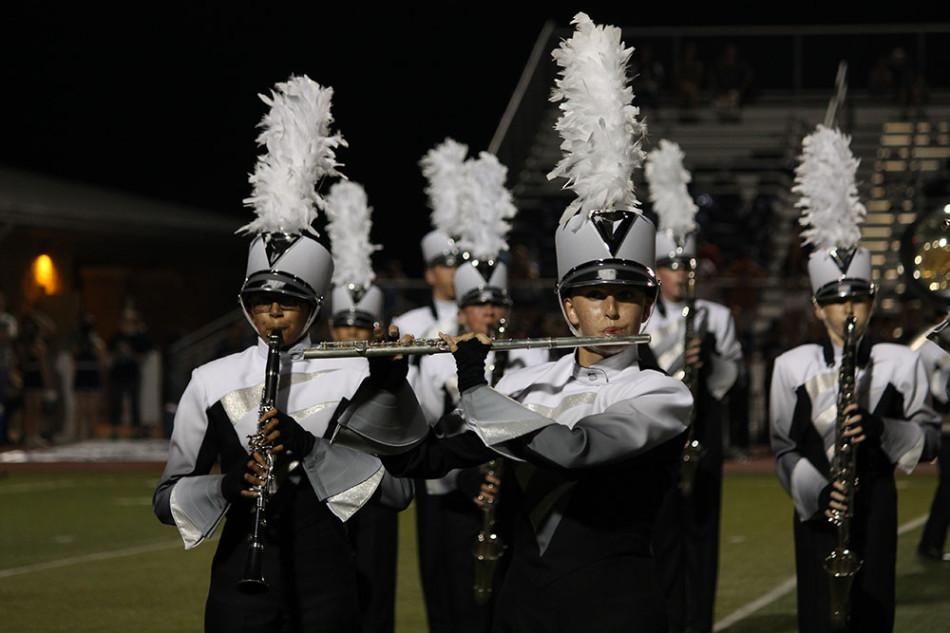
(45, 275)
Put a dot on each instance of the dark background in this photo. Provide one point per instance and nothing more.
(160, 100)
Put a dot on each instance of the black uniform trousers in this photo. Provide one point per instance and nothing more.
(374, 534)
(447, 527)
(874, 539)
(934, 536)
(308, 564)
(614, 595)
(686, 540)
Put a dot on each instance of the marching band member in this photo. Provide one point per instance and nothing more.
(307, 563)
(687, 535)
(889, 423)
(443, 167)
(936, 360)
(357, 305)
(449, 509)
(596, 437)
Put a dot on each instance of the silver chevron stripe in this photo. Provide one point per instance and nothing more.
(567, 403)
(303, 414)
(820, 383)
(239, 402)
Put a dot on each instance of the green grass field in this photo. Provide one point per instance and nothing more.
(83, 552)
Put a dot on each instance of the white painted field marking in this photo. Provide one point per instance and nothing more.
(37, 486)
(88, 558)
(788, 585)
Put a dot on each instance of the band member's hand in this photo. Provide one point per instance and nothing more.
(854, 428)
(489, 491)
(872, 425)
(238, 481)
(694, 353)
(287, 435)
(470, 351)
(835, 497)
(389, 372)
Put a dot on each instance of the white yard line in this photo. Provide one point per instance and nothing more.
(37, 486)
(89, 558)
(788, 585)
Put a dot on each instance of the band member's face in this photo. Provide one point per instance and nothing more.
(351, 333)
(608, 310)
(834, 315)
(274, 311)
(482, 317)
(672, 283)
(442, 280)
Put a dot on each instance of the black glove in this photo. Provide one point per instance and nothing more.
(872, 425)
(469, 482)
(234, 482)
(824, 499)
(297, 441)
(470, 361)
(386, 372)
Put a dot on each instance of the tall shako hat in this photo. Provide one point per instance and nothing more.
(486, 209)
(285, 257)
(831, 212)
(443, 167)
(676, 234)
(602, 237)
(355, 300)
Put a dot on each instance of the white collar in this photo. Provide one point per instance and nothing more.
(298, 348)
(609, 367)
(445, 309)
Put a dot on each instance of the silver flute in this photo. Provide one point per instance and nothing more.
(368, 349)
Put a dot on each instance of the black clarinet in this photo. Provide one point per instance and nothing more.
(842, 563)
(253, 579)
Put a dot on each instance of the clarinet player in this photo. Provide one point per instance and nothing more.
(307, 566)
(889, 424)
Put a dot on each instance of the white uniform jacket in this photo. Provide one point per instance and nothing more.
(890, 383)
(219, 410)
(667, 327)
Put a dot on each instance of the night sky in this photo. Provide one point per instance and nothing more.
(162, 102)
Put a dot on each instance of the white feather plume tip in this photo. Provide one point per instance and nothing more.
(300, 151)
(668, 179)
(349, 225)
(443, 168)
(486, 208)
(598, 125)
(825, 180)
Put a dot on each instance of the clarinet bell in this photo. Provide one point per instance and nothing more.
(252, 582)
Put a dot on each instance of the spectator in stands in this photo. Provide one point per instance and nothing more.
(903, 73)
(689, 80)
(89, 364)
(7, 318)
(38, 391)
(731, 82)
(127, 348)
(881, 79)
(650, 75)
(10, 380)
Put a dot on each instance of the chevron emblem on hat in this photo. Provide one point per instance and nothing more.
(613, 230)
(276, 244)
(842, 258)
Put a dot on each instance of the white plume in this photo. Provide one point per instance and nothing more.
(300, 151)
(349, 224)
(443, 167)
(598, 124)
(825, 180)
(486, 207)
(668, 179)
